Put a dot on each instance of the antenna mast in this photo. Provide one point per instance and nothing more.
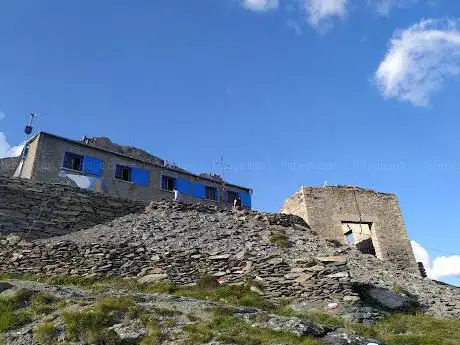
(29, 128)
(223, 166)
(28, 131)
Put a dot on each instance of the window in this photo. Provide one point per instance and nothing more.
(359, 235)
(231, 196)
(168, 183)
(211, 193)
(73, 161)
(123, 173)
(350, 237)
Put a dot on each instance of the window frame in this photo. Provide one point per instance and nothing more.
(227, 201)
(214, 189)
(73, 155)
(120, 167)
(168, 178)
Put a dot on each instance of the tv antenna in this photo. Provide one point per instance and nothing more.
(28, 131)
(29, 127)
(223, 167)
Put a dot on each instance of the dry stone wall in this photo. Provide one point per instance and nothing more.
(183, 242)
(49, 210)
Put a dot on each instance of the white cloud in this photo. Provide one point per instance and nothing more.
(419, 60)
(2, 115)
(384, 7)
(260, 5)
(6, 150)
(440, 267)
(319, 12)
(447, 266)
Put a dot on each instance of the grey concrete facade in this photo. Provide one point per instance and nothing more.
(368, 217)
(44, 162)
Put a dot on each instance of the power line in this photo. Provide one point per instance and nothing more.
(441, 251)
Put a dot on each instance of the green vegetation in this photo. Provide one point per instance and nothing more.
(228, 294)
(403, 329)
(207, 288)
(43, 304)
(45, 334)
(395, 329)
(155, 333)
(279, 238)
(229, 329)
(11, 314)
(317, 317)
(166, 312)
(91, 324)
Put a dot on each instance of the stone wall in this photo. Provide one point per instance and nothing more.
(8, 166)
(183, 242)
(326, 209)
(60, 209)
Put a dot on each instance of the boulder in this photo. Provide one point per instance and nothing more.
(341, 337)
(5, 286)
(294, 325)
(129, 333)
(13, 239)
(388, 300)
(152, 278)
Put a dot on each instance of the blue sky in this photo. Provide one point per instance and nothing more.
(289, 92)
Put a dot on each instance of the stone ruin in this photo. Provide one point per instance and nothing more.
(371, 222)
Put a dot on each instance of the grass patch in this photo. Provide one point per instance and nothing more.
(198, 333)
(43, 304)
(11, 313)
(207, 282)
(229, 329)
(166, 312)
(155, 333)
(45, 334)
(395, 329)
(91, 325)
(279, 238)
(229, 294)
(317, 317)
(403, 329)
(207, 288)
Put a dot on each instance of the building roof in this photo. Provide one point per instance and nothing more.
(165, 167)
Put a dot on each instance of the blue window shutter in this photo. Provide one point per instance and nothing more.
(93, 166)
(217, 194)
(140, 176)
(199, 190)
(183, 186)
(245, 199)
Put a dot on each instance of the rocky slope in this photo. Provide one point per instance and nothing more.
(181, 243)
(53, 314)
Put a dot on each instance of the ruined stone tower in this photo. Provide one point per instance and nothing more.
(360, 217)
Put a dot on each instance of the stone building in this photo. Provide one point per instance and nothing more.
(360, 217)
(98, 164)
